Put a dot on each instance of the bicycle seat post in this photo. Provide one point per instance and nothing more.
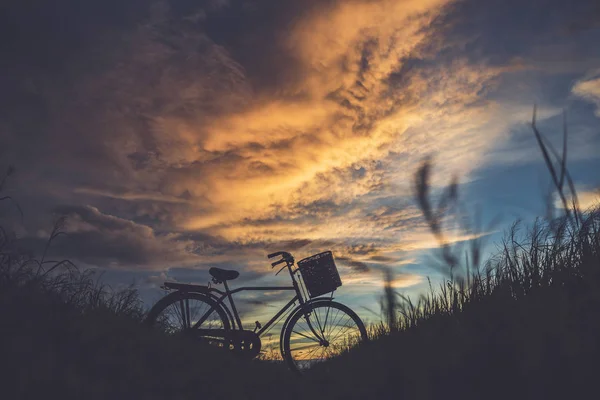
(235, 312)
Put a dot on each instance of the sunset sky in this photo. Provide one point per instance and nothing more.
(177, 135)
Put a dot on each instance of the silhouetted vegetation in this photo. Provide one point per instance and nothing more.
(527, 326)
(524, 324)
(66, 335)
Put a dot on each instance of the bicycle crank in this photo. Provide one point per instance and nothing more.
(245, 343)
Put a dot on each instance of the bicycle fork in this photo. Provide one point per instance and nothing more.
(322, 340)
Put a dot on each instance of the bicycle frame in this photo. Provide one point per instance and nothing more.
(228, 294)
(231, 334)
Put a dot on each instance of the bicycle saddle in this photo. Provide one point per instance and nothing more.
(223, 274)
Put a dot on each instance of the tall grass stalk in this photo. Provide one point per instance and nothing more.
(557, 252)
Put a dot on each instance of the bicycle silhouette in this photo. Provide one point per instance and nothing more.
(318, 328)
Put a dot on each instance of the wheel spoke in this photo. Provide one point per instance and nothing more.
(189, 312)
(334, 321)
(303, 335)
(309, 346)
(312, 352)
(326, 317)
(183, 315)
(344, 326)
(316, 314)
(339, 333)
(203, 318)
(338, 327)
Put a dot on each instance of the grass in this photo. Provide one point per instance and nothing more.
(524, 324)
(527, 327)
(65, 335)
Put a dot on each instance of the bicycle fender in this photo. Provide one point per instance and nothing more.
(294, 312)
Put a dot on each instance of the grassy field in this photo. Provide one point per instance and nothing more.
(526, 328)
(64, 336)
(523, 324)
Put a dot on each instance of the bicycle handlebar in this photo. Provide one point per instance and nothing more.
(278, 262)
(284, 254)
(285, 257)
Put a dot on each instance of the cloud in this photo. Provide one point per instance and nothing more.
(184, 134)
(587, 199)
(157, 280)
(356, 265)
(588, 89)
(94, 238)
(132, 196)
(375, 283)
(343, 145)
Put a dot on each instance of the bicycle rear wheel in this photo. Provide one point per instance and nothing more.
(323, 330)
(187, 313)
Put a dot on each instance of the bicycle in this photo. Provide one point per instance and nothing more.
(318, 328)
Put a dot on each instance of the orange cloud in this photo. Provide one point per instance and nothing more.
(284, 151)
(587, 199)
(375, 283)
(189, 144)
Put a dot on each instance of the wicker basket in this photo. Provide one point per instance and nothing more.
(319, 273)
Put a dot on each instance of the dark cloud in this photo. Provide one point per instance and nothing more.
(291, 245)
(590, 21)
(504, 30)
(382, 259)
(396, 217)
(355, 265)
(47, 36)
(255, 33)
(93, 238)
(259, 303)
(362, 249)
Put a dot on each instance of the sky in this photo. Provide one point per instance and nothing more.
(177, 135)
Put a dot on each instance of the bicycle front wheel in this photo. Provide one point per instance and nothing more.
(321, 331)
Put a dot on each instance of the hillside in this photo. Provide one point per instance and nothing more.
(528, 328)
